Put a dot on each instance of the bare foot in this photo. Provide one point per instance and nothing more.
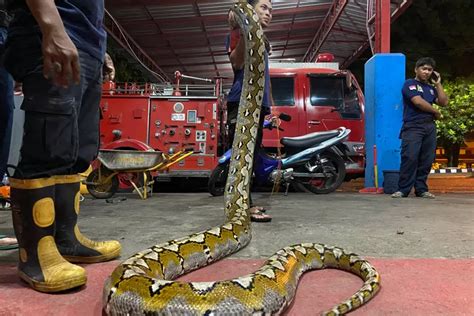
(257, 215)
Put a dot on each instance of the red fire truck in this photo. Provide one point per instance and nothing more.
(169, 118)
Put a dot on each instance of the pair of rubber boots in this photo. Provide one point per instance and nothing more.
(45, 220)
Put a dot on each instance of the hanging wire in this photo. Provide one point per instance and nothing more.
(125, 37)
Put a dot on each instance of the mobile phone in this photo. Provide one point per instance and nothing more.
(434, 77)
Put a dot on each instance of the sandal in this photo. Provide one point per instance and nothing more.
(256, 215)
(8, 243)
(257, 209)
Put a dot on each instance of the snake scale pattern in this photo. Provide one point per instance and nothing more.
(143, 284)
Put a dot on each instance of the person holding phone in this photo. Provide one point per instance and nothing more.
(418, 132)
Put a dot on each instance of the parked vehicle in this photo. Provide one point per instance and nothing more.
(311, 162)
(319, 97)
(169, 118)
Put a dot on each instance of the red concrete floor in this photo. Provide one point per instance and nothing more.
(409, 287)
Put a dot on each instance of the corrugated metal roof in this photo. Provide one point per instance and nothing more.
(189, 35)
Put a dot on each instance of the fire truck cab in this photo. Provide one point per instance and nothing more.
(319, 97)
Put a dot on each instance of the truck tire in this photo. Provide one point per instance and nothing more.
(217, 180)
(334, 166)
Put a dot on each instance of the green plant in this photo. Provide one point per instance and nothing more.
(457, 118)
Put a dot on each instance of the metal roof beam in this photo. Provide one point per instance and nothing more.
(114, 29)
(274, 33)
(402, 6)
(211, 19)
(335, 11)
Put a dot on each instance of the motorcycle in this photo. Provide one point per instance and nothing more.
(311, 163)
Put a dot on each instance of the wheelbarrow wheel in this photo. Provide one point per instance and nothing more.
(97, 186)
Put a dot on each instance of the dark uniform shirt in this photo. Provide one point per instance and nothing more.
(236, 90)
(412, 88)
(83, 20)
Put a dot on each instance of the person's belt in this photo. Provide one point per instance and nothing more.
(421, 121)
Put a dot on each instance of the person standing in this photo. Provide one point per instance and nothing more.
(56, 49)
(235, 46)
(6, 95)
(6, 118)
(418, 132)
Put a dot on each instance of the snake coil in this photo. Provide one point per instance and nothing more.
(142, 284)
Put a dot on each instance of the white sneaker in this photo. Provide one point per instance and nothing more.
(427, 195)
(398, 194)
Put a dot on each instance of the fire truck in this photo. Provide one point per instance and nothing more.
(169, 117)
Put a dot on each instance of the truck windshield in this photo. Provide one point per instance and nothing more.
(332, 91)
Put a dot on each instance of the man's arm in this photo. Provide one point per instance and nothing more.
(61, 59)
(420, 103)
(442, 98)
(237, 56)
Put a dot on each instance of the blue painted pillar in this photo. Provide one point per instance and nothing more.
(384, 78)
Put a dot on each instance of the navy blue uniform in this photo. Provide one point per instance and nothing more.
(418, 135)
(233, 99)
(6, 97)
(61, 129)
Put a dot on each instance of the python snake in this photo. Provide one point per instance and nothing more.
(142, 285)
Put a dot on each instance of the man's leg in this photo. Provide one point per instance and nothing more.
(257, 212)
(426, 159)
(6, 117)
(411, 144)
(50, 139)
(72, 244)
(89, 113)
(232, 113)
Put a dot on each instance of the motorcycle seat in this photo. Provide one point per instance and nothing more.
(309, 140)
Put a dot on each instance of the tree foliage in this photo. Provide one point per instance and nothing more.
(458, 116)
(442, 29)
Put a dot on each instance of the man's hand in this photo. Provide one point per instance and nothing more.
(435, 78)
(437, 115)
(109, 69)
(232, 21)
(61, 59)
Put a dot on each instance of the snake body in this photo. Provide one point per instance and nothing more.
(143, 284)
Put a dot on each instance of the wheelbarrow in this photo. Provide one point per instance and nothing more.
(103, 181)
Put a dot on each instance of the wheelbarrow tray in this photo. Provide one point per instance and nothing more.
(121, 160)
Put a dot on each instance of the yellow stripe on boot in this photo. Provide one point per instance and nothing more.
(74, 246)
(59, 274)
(40, 265)
(108, 249)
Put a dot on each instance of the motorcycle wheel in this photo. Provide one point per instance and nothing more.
(334, 166)
(217, 180)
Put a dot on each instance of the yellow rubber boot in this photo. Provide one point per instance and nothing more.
(40, 263)
(74, 246)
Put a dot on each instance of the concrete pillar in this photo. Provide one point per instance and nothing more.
(384, 78)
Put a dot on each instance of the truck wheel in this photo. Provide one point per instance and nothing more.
(334, 167)
(99, 189)
(217, 180)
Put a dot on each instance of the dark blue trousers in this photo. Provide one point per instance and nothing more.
(6, 109)
(61, 129)
(417, 155)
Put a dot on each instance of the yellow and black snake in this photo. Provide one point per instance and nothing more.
(142, 285)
